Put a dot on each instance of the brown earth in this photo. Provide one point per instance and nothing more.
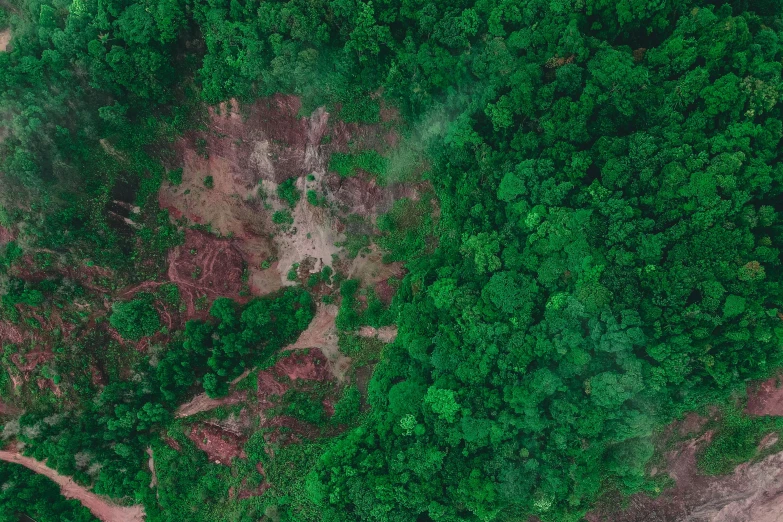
(6, 234)
(151, 465)
(310, 366)
(322, 335)
(100, 507)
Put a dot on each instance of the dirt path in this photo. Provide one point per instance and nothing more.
(98, 506)
(201, 403)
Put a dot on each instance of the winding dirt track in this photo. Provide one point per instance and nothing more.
(98, 506)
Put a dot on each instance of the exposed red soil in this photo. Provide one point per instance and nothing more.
(11, 333)
(385, 291)
(214, 269)
(32, 359)
(311, 366)
(9, 409)
(766, 398)
(171, 443)
(220, 445)
(100, 507)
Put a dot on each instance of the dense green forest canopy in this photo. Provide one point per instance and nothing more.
(605, 257)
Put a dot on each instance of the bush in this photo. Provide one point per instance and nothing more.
(175, 176)
(134, 319)
(288, 192)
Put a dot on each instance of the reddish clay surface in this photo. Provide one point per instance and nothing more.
(214, 270)
(766, 399)
(309, 366)
(385, 291)
(220, 445)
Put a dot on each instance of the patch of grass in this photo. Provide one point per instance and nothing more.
(347, 165)
(736, 441)
(175, 176)
(282, 217)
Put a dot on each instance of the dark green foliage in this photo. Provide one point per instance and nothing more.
(235, 338)
(312, 198)
(283, 218)
(26, 494)
(606, 180)
(209, 182)
(135, 319)
(347, 409)
(304, 406)
(175, 176)
(353, 313)
(288, 192)
(169, 294)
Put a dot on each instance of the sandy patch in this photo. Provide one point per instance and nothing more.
(151, 464)
(102, 508)
(5, 39)
(387, 334)
(202, 402)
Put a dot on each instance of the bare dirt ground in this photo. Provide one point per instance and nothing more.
(219, 444)
(201, 403)
(321, 334)
(386, 334)
(249, 151)
(766, 398)
(5, 39)
(151, 464)
(205, 266)
(100, 507)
